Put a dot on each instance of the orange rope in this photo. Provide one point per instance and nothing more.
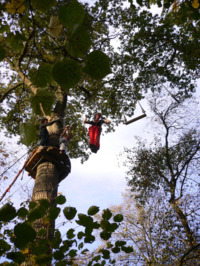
(8, 189)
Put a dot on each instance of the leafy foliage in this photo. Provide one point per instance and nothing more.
(69, 250)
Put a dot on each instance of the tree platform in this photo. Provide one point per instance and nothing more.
(50, 154)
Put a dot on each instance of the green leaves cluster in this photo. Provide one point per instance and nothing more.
(22, 237)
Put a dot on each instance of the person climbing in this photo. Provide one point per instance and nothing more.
(95, 131)
(43, 132)
(64, 140)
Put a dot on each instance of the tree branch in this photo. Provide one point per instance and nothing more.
(8, 91)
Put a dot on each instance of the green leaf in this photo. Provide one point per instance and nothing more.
(41, 247)
(7, 213)
(60, 200)
(15, 41)
(96, 258)
(80, 235)
(106, 254)
(120, 243)
(36, 213)
(53, 213)
(116, 250)
(127, 249)
(42, 76)
(78, 43)
(56, 240)
(43, 5)
(4, 247)
(97, 65)
(93, 210)
(28, 133)
(17, 257)
(55, 28)
(84, 220)
(118, 218)
(44, 203)
(22, 212)
(32, 205)
(2, 53)
(89, 239)
(106, 214)
(42, 232)
(113, 227)
(71, 14)
(70, 233)
(69, 212)
(105, 224)
(25, 232)
(45, 97)
(66, 73)
(58, 255)
(81, 245)
(85, 251)
(44, 259)
(72, 253)
(105, 235)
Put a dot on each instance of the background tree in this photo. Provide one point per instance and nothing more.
(152, 229)
(171, 163)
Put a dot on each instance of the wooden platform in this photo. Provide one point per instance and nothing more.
(50, 154)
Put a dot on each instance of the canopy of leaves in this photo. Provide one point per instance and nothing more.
(53, 44)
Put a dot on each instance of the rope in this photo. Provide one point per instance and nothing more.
(155, 77)
(16, 161)
(17, 189)
(13, 164)
(9, 187)
(139, 103)
(85, 129)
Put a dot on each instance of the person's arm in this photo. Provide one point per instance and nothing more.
(106, 120)
(85, 121)
(51, 122)
(67, 128)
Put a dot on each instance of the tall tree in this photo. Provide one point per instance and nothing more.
(172, 163)
(152, 229)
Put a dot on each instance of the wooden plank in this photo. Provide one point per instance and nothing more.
(135, 119)
(51, 154)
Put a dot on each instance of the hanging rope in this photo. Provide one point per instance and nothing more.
(85, 129)
(9, 187)
(17, 190)
(15, 162)
(155, 77)
(136, 118)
